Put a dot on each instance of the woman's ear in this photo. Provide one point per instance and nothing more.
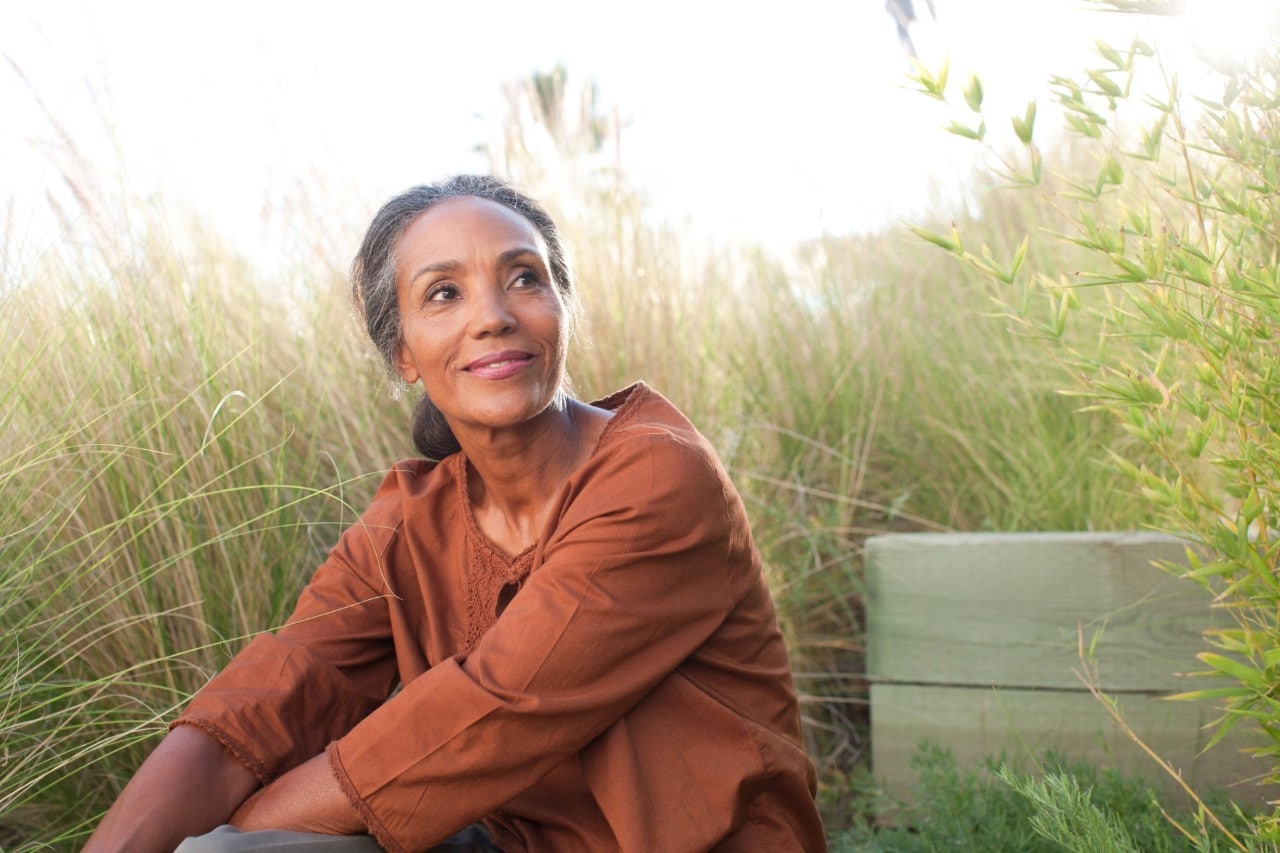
(405, 365)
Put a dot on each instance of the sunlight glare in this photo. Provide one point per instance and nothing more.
(1231, 31)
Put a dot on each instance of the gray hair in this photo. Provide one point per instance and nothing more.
(373, 278)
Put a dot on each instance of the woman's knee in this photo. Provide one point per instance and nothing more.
(222, 840)
(228, 839)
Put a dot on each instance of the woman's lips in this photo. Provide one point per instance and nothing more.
(499, 365)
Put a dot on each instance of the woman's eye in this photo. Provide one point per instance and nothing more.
(441, 292)
(528, 278)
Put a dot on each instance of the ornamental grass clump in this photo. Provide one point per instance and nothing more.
(163, 496)
(1179, 288)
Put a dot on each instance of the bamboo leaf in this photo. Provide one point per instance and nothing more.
(1018, 257)
(1110, 54)
(928, 83)
(936, 239)
(1024, 127)
(1135, 270)
(1224, 728)
(973, 94)
(1211, 693)
(964, 130)
(1105, 84)
(1242, 672)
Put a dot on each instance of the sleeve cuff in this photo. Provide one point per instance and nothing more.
(241, 754)
(375, 826)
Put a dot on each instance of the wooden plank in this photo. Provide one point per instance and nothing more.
(978, 724)
(1005, 609)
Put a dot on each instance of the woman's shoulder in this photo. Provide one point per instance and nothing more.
(639, 409)
(653, 474)
(413, 485)
(648, 434)
(411, 488)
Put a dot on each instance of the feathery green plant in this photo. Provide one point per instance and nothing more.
(1064, 804)
(1064, 813)
(1178, 291)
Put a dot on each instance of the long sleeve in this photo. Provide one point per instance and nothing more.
(286, 695)
(634, 693)
(636, 577)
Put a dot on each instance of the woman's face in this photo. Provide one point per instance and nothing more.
(483, 327)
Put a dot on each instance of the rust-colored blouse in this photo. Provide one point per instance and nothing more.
(621, 685)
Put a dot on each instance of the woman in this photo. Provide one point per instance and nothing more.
(569, 599)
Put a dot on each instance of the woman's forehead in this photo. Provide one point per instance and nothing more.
(458, 227)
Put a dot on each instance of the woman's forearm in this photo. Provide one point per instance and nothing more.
(187, 786)
(306, 799)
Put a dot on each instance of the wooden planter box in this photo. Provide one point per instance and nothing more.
(973, 639)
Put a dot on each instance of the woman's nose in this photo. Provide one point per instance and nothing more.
(491, 313)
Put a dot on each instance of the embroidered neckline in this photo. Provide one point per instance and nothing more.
(489, 569)
(622, 401)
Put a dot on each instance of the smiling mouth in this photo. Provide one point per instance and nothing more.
(499, 363)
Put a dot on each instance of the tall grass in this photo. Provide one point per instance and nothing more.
(164, 494)
(856, 385)
(184, 433)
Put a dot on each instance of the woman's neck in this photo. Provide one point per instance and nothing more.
(513, 475)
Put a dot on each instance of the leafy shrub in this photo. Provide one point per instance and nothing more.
(1177, 220)
(996, 808)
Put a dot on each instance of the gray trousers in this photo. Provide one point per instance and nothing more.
(227, 839)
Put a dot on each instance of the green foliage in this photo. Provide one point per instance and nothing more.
(162, 499)
(1179, 296)
(1063, 812)
(184, 434)
(1069, 805)
(953, 809)
(853, 386)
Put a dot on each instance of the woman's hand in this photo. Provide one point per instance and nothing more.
(306, 799)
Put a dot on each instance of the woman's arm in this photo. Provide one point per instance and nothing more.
(280, 701)
(306, 799)
(648, 561)
(187, 786)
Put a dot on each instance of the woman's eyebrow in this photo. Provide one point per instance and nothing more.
(518, 252)
(453, 266)
(438, 266)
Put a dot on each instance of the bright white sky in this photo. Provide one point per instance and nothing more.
(769, 122)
